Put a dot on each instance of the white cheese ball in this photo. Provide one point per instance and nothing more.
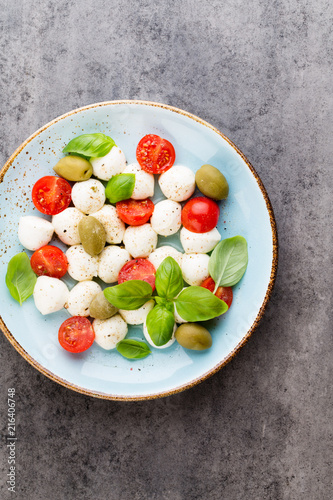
(108, 332)
(179, 319)
(50, 294)
(80, 297)
(195, 268)
(109, 165)
(199, 242)
(161, 253)
(144, 182)
(88, 196)
(66, 225)
(140, 241)
(113, 225)
(166, 219)
(81, 265)
(34, 232)
(149, 340)
(177, 183)
(137, 316)
(111, 260)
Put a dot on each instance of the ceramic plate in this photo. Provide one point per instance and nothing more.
(246, 212)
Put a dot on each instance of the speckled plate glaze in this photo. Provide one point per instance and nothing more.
(247, 212)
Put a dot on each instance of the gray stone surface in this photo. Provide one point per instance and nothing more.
(262, 73)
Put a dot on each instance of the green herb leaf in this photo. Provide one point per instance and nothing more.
(228, 262)
(129, 295)
(120, 187)
(169, 278)
(196, 303)
(133, 349)
(20, 278)
(165, 302)
(160, 322)
(80, 156)
(90, 145)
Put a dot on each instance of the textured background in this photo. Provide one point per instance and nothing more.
(261, 72)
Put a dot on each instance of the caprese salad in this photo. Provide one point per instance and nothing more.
(101, 207)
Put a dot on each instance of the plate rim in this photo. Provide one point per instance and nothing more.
(245, 338)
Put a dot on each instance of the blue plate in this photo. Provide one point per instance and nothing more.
(246, 212)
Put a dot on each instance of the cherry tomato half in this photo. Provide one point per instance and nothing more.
(51, 195)
(76, 334)
(138, 269)
(135, 212)
(200, 215)
(154, 154)
(223, 292)
(49, 261)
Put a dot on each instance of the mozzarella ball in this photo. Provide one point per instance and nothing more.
(109, 165)
(177, 183)
(50, 294)
(144, 182)
(166, 219)
(66, 225)
(199, 242)
(34, 232)
(113, 225)
(88, 196)
(149, 340)
(161, 253)
(137, 316)
(108, 332)
(80, 297)
(195, 268)
(81, 265)
(179, 319)
(111, 260)
(140, 241)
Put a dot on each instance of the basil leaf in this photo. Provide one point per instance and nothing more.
(196, 303)
(90, 145)
(129, 295)
(166, 303)
(169, 278)
(80, 156)
(20, 278)
(120, 187)
(160, 322)
(133, 349)
(228, 262)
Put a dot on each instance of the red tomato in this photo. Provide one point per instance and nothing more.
(138, 269)
(200, 215)
(49, 261)
(223, 292)
(51, 195)
(154, 154)
(76, 334)
(135, 212)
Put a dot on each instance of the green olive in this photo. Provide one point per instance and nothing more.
(92, 235)
(193, 336)
(74, 168)
(212, 182)
(100, 307)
